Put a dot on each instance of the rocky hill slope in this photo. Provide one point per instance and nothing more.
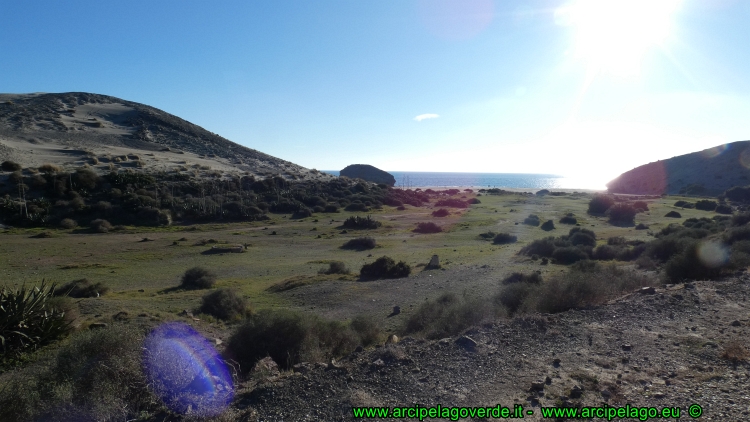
(707, 172)
(369, 173)
(673, 347)
(68, 128)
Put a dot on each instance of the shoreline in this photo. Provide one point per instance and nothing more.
(519, 190)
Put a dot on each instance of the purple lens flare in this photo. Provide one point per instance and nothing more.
(185, 371)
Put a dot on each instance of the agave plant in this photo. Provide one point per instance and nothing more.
(27, 320)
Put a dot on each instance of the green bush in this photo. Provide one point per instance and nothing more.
(741, 219)
(360, 243)
(568, 255)
(224, 304)
(82, 288)
(640, 206)
(599, 204)
(368, 331)
(568, 219)
(621, 213)
(688, 265)
(532, 220)
(514, 295)
(723, 209)
(68, 223)
(541, 247)
(27, 320)
(447, 316)
(504, 238)
(488, 235)
(198, 278)
(738, 194)
(329, 208)
(578, 236)
(706, 205)
(429, 227)
(474, 201)
(385, 267)
(289, 338)
(100, 226)
(10, 166)
(361, 223)
(97, 376)
(684, 204)
(641, 226)
(335, 267)
(673, 214)
(548, 225)
(523, 278)
(357, 206)
(442, 212)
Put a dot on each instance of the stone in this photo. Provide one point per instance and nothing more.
(186, 313)
(301, 368)
(467, 342)
(396, 310)
(537, 386)
(368, 173)
(359, 349)
(735, 323)
(266, 367)
(627, 347)
(392, 339)
(576, 392)
(434, 262)
(647, 290)
(548, 380)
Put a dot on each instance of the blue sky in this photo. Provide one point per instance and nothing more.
(582, 88)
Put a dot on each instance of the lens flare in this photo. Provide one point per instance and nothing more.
(186, 372)
(715, 151)
(713, 254)
(745, 158)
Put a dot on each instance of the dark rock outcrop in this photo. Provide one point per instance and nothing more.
(369, 173)
(707, 172)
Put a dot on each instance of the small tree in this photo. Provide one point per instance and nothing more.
(198, 278)
(599, 204)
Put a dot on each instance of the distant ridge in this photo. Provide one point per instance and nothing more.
(707, 172)
(36, 127)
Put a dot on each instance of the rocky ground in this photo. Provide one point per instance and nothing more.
(666, 347)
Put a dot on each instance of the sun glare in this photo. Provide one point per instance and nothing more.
(614, 35)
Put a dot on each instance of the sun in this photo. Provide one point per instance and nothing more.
(613, 36)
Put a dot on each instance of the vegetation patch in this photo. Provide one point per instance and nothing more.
(385, 267)
(442, 212)
(357, 222)
(360, 244)
(198, 278)
(428, 228)
(82, 288)
(504, 238)
(224, 304)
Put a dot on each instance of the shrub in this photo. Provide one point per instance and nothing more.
(605, 252)
(428, 228)
(584, 289)
(688, 265)
(578, 236)
(504, 238)
(442, 212)
(684, 204)
(451, 202)
(97, 376)
(27, 320)
(82, 288)
(335, 267)
(621, 213)
(514, 295)
(735, 352)
(385, 267)
(367, 330)
(224, 304)
(488, 235)
(568, 255)
(640, 206)
(356, 206)
(641, 226)
(523, 278)
(448, 315)
(541, 247)
(289, 338)
(723, 209)
(599, 204)
(542, 192)
(568, 219)
(664, 248)
(474, 201)
(706, 205)
(10, 166)
(198, 278)
(741, 219)
(738, 194)
(360, 244)
(100, 226)
(532, 220)
(548, 225)
(361, 223)
(68, 223)
(673, 214)
(331, 208)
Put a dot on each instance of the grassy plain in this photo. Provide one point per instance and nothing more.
(143, 275)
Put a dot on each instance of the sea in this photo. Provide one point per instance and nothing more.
(408, 179)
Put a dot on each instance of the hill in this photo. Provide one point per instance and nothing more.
(69, 129)
(707, 172)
